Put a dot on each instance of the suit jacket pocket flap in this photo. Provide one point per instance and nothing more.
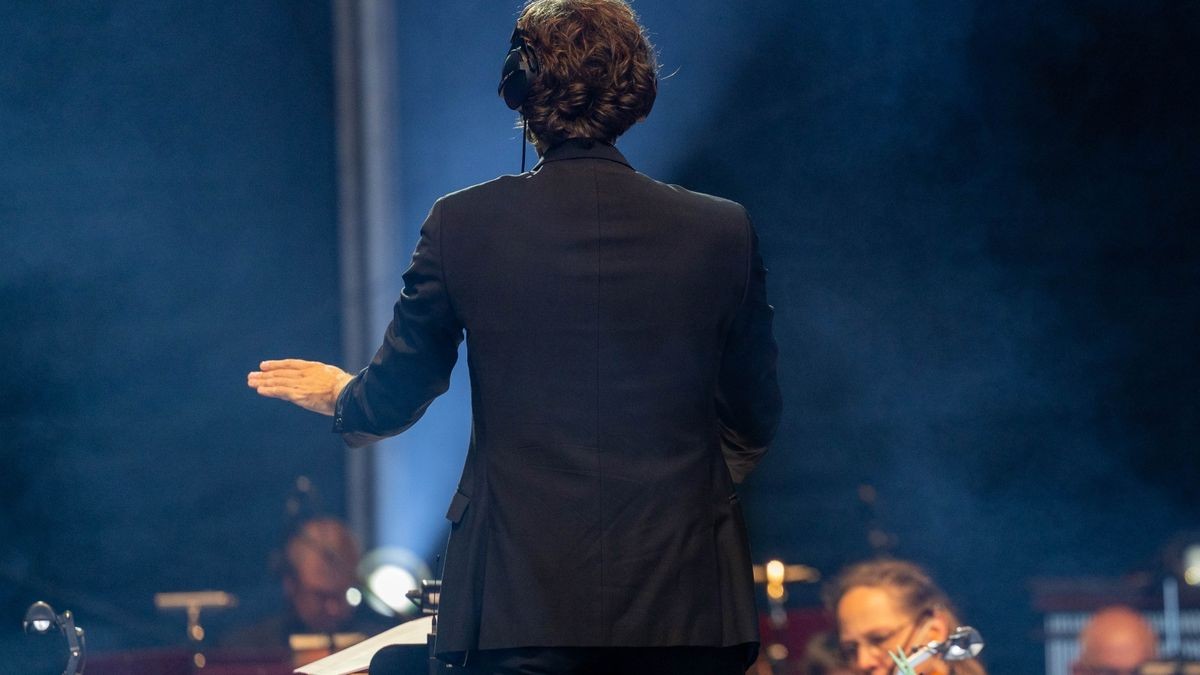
(458, 506)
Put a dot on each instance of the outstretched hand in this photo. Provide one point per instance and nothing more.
(309, 384)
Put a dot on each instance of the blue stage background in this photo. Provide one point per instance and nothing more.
(981, 222)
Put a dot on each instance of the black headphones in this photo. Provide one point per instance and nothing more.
(520, 66)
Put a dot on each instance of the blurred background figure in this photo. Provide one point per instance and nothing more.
(1115, 641)
(891, 605)
(318, 572)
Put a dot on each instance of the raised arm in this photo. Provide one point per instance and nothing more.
(311, 385)
(410, 369)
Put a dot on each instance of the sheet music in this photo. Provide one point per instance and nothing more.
(357, 659)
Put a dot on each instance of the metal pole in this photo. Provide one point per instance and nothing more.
(367, 112)
(1172, 630)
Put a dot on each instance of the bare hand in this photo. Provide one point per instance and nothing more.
(309, 384)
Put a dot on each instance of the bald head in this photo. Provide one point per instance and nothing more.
(1117, 638)
(321, 561)
(324, 543)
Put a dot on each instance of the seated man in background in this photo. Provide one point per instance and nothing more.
(1115, 641)
(885, 606)
(319, 567)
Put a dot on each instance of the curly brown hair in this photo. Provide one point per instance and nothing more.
(597, 74)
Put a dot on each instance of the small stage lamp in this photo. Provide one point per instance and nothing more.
(388, 575)
(40, 619)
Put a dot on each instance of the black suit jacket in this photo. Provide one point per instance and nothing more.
(622, 381)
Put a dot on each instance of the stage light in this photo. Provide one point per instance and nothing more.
(1191, 564)
(770, 573)
(353, 597)
(388, 575)
(40, 618)
(775, 572)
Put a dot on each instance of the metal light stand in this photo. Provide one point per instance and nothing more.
(192, 603)
(40, 618)
(775, 575)
(1172, 662)
(1172, 629)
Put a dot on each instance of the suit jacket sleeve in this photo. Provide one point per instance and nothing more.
(748, 399)
(420, 347)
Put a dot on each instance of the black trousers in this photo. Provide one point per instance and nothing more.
(609, 661)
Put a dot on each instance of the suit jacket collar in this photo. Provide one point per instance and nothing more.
(578, 148)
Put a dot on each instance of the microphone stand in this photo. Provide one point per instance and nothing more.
(428, 598)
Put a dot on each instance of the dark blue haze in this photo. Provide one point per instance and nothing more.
(982, 222)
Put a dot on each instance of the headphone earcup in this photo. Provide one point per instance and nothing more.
(514, 79)
(520, 65)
